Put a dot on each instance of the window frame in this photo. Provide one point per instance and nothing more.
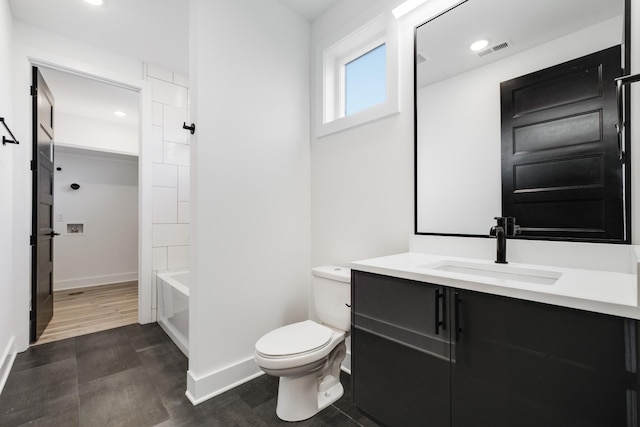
(332, 58)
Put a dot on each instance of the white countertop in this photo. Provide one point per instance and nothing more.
(607, 292)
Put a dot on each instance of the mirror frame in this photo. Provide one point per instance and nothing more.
(627, 138)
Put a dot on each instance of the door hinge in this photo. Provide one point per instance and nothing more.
(32, 315)
(32, 165)
(34, 91)
(32, 240)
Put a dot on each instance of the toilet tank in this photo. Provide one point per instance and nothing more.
(331, 287)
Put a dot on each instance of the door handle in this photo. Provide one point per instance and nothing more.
(620, 120)
(621, 81)
(54, 234)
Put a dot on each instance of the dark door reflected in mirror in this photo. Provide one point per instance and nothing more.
(462, 165)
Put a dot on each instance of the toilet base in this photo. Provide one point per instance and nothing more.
(326, 398)
(298, 398)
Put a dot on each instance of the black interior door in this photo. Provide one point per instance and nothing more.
(42, 206)
(562, 171)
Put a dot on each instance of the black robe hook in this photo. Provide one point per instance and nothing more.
(191, 128)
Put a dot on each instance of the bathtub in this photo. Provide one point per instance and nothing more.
(173, 307)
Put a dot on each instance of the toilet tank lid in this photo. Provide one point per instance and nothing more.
(333, 272)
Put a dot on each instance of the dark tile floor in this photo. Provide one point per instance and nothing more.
(135, 376)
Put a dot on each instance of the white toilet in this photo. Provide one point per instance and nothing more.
(307, 355)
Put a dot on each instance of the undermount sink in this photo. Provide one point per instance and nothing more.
(497, 271)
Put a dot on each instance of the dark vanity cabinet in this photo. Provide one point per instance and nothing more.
(401, 363)
(427, 355)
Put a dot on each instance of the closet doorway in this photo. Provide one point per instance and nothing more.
(95, 209)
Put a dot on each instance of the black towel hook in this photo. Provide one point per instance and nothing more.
(6, 141)
(191, 128)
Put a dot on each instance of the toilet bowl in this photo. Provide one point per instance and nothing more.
(307, 355)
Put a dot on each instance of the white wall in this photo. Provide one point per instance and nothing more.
(83, 56)
(171, 159)
(362, 178)
(474, 96)
(7, 334)
(107, 205)
(96, 134)
(250, 186)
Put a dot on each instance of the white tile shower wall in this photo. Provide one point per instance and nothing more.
(160, 259)
(184, 212)
(170, 235)
(178, 257)
(183, 184)
(157, 145)
(165, 209)
(172, 120)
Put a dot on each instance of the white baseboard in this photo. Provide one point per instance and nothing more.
(84, 282)
(205, 387)
(6, 362)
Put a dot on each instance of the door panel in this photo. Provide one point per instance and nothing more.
(400, 342)
(397, 384)
(520, 363)
(42, 220)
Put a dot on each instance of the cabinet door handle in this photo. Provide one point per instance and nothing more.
(441, 301)
(437, 322)
(443, 322)
(457, 327)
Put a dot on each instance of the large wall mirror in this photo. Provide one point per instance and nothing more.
(460, 118)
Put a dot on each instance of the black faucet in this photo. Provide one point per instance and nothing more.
(505, 226)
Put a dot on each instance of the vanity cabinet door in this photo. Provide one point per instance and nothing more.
(521, 363)
(400, 357)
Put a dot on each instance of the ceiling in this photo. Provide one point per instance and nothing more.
(84, 97)
(154, 31)
(444, 41)
(309, 9)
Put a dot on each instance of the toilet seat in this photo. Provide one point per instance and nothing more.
(295, 339)
(312, 342)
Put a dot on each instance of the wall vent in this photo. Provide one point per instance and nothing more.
(500, 46)
(495, 48)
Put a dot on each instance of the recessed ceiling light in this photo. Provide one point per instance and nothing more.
(120, 113)
(95, 2)
(479, 45)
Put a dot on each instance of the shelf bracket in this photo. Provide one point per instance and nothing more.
(5, 140)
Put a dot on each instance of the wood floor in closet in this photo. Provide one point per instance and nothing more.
(86, 310)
